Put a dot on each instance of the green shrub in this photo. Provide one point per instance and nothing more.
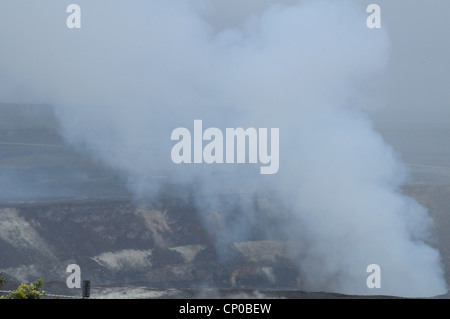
(30, 291)
(2, 281)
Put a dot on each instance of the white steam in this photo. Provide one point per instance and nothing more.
(137, 70)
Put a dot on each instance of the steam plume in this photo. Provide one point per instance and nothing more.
(137, 70)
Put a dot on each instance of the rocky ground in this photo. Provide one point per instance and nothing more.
(158, 250)
(117, 243)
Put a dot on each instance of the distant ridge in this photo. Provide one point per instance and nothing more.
(27, 117)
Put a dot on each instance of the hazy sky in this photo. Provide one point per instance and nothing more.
(417, 85)
(418, 75)
(420, 66)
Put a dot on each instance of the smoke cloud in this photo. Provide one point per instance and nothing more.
(137, 70)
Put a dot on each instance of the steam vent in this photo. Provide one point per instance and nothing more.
(60, 207)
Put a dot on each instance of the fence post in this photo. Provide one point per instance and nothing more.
(86, 289)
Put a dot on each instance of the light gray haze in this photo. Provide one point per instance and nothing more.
(136, 70)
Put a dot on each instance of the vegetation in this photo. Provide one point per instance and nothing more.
(24, 291)
(2, 281)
